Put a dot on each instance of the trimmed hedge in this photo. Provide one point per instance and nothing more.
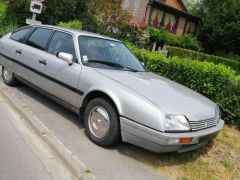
(217, 82)
(187, 42)
(185, 53)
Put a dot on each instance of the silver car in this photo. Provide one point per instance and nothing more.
(104, 83)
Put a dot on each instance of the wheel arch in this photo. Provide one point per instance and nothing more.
(96, 94)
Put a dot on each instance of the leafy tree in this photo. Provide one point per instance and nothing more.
(3, 8)
(53, 10)
(17, 11)
(220, 30)
(105, 15)
(108, 14)
(64, 10)
(191, 5)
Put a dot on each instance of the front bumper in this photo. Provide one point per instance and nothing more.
(156, 141)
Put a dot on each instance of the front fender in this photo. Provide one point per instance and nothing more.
(128, 103)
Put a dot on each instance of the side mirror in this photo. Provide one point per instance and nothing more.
(143, 64)
(65, 57)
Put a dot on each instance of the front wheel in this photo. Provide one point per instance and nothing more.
(102, 123)
(8, 77)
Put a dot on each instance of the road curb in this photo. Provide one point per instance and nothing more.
(74, 165)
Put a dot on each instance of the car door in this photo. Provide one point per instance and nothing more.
(12, 45)
(60, 78)
(28, 55)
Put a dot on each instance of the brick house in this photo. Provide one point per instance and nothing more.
(171, 15)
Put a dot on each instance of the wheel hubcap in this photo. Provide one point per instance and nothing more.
(98, 122)
(7, 74)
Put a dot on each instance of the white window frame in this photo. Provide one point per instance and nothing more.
(136, 7)
(126, 4)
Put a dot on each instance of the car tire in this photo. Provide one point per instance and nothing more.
(101, 122)
(8, 77)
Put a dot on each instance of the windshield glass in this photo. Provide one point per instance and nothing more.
(103, 53)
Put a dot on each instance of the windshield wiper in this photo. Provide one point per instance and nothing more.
(118, 66)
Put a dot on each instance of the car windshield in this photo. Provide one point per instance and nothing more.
(103, 53)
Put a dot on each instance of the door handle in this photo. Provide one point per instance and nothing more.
(43, 62)
(19, 51)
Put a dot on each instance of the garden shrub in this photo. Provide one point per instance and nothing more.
(217, 82)
(136, 33)
(232, 57)
(189, 42)
(76, 24)
(171, 39)
(185, 53)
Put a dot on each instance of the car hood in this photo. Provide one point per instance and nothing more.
(169, 96)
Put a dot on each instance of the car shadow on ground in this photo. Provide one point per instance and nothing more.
(131, 151)
(67, 114)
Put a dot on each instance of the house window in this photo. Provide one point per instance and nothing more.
(170, 22)
(156, 18)
(190, 28)
(136, 7)
(163, 20)
(126, 4)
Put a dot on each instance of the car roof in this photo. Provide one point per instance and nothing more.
(76, 32)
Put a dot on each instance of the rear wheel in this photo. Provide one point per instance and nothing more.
(102, 123)
(8, 77)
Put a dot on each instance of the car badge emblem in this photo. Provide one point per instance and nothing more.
(206, 125)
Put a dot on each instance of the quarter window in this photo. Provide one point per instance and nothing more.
(39, 38)
(136, 7)
(62, 42)
(20, 35)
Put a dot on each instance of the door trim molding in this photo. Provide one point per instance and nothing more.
(73, 89)
(50, 96)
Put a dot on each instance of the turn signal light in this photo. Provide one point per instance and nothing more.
(185, 140)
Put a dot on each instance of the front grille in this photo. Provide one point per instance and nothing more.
(199, 125)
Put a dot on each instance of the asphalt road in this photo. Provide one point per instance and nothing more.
(106, 164)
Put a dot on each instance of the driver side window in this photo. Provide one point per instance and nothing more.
(62, 42)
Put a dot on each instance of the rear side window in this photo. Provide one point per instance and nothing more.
(62, 42)
(39, 38)
(20, 35)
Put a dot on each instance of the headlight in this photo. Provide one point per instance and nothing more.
(176, 123)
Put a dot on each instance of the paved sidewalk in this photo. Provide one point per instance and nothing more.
(17, 161)
(18, 146)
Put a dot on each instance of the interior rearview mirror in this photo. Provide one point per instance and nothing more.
(65, 57)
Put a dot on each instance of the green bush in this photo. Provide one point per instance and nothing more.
(232, 57)
(76, 24)
(189, 42)
(185, 53)
(139, 36)
(217, 82)
(5, 26)
(3, 10)
(171, 39)
(4, 29)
